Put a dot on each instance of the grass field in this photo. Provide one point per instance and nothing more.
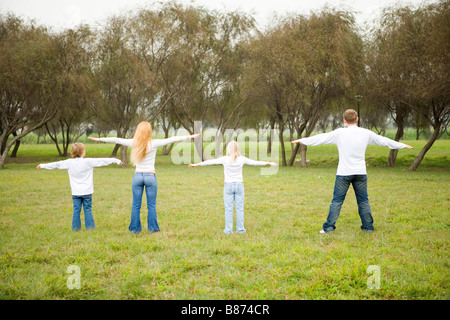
(282, 255)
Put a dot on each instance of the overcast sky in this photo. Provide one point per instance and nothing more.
(61, 14)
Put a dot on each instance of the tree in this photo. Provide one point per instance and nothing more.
(200, 79)
(76, 87)
(303, 64)
(419, 79)
(388, 71)
(29, 79)
(430, 86)
(120, 79)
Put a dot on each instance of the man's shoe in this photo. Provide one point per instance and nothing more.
(323, 231)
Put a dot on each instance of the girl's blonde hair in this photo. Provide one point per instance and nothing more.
(233, 150)
(142, 136)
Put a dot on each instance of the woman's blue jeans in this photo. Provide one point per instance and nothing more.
(141, 181)
(84, 201)
(233, 195)
(342, 183)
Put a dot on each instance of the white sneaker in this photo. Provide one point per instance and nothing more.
(322, 231)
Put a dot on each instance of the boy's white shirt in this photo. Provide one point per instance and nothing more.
(352, 142)
(81, 172)
(233, 170)
(148, 162)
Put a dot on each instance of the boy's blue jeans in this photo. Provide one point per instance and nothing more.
(341, 186)
(148, 181)
(233, 194)
(84, 201)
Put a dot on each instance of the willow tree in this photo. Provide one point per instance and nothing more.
(29, 80)
(153, 37)
(388, 71)
(120, 78)
(76, 87)
(430, 87)
(305, 63)
(228, 101)
(414, 49)
(200, 79)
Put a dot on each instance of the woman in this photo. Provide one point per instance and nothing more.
(233, 190)
(143, 153)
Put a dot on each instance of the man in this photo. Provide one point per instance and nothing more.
(351, 142)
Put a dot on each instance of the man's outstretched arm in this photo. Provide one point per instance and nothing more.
(322, 138)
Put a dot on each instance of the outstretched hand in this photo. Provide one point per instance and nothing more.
(38, 167)
(409, 147)
(273, 164)
(296, 141)
(121, 164)
(94, 139)
(192, 165)
(193, 136)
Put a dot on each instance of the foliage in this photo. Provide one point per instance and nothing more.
(176, 65)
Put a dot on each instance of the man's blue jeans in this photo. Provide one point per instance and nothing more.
(233, 195)
(148, 181)
(341, 186)
(84, 201)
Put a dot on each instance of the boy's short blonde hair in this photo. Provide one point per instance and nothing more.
(351, 116)
(77, 150)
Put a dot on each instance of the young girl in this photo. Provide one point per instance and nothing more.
(143, 155)
(81, 171)
(233, 190)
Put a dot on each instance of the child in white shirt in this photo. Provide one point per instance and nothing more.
(233, 191)
(80, 171)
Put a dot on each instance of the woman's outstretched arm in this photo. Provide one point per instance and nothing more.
(124, 142)
(162, 142)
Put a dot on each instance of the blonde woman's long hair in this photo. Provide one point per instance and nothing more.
(142, 136)
(233, 150)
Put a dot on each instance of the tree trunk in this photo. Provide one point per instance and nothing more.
(55, 139)
(123, 155)
(198, 142)
(303, 149)
(66, 141)
(114, 152)
(291, 138)
(165, 150)
(294, 154)
(393, 152)
(269, 143)
(283, 151)
(424, 150)
(16, 147)
(8, 145)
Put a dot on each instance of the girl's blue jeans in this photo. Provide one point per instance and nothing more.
(233, 194)
(141, 181)
(84, 201)
(342, 183)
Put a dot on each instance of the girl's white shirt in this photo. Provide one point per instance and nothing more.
(148, 162)
(233, 169)
(81, 172)
(352, 142)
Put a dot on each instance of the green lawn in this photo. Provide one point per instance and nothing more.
(282, 255)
